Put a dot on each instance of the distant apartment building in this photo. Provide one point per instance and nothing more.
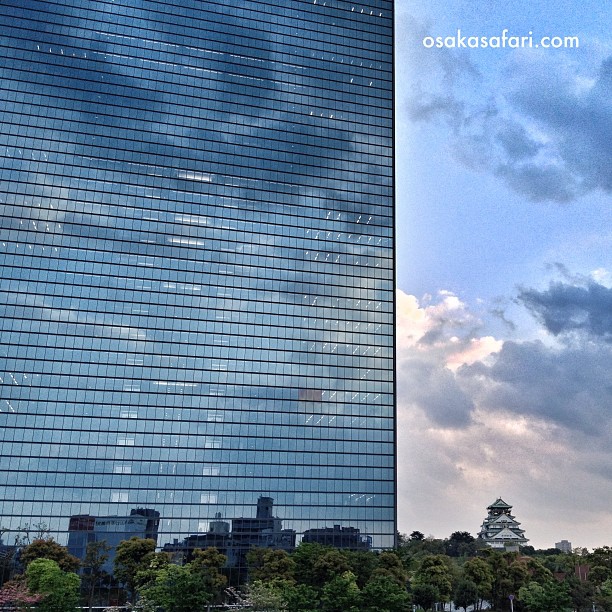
(84, 529)
(564, 546)
(262, 531)
(339, 537)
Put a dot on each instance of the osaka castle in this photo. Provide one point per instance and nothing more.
(500, 529)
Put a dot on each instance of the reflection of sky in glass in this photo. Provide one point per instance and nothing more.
(197, 262)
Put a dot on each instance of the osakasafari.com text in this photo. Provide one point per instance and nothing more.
(503, 41)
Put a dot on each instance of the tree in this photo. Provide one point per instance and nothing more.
(266, 596)
(603, 597)
(267, 564)
(598, 574)
(133, 556)
(549, 597)
(60, 589)
(582, 593)
(329, 565)
(383, 594)
(509, 575)
(600, 561)
(363, 563)
(416, 548)
(16, 594)
(299, 597)
(93, 572)
(466, 594)
(7, 563)
(425, 595)
(538, 572)
(49, 549)
(479, 573)
(24, 533)
(390, 565)
(207, 565)
(314, 563)
(436, 571)
(460, 544)
(341, 594)
(176, 588)
(147, 575)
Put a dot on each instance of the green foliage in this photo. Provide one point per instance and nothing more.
(383, 594)
(93, 574)
(390, 566)
(49, 549)
(133, 556)
(598, 574)
(207, 565)
(436, 571)
(59, 588)
(549, 597)
(460, 544)
(538, 572)
(269, 564)
(466, 594)
(362, 563)
(601, 556)
(412, 550)
(603, 598)
(176, 588)
(315, 564)
(509, 575)
(300, 597)
(329, 565)
(266, 596)
(316, 577)
(146, 576)
(341, 594)
(582, 594)
(479, 572)
(425, 595)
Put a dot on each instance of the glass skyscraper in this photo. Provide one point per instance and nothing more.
(197, 265)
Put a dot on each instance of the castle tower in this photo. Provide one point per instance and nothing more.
(500, 529)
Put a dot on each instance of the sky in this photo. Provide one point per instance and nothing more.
(504, 184)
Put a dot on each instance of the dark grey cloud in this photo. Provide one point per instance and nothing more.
(565, 307)
(579, 121)
(571, 386)
(427, 383)
(500, 313)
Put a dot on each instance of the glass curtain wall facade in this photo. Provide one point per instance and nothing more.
(197, 264)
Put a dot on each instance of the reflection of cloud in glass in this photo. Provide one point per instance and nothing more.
(175, 211)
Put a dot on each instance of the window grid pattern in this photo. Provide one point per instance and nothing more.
(197, 263)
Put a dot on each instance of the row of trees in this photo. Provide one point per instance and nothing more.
(538, 581)
(422, 572)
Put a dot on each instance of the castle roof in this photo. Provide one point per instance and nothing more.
(504, 518)
(506, 534)
(499, 503)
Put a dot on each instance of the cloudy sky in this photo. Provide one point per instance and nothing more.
(504, 163)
